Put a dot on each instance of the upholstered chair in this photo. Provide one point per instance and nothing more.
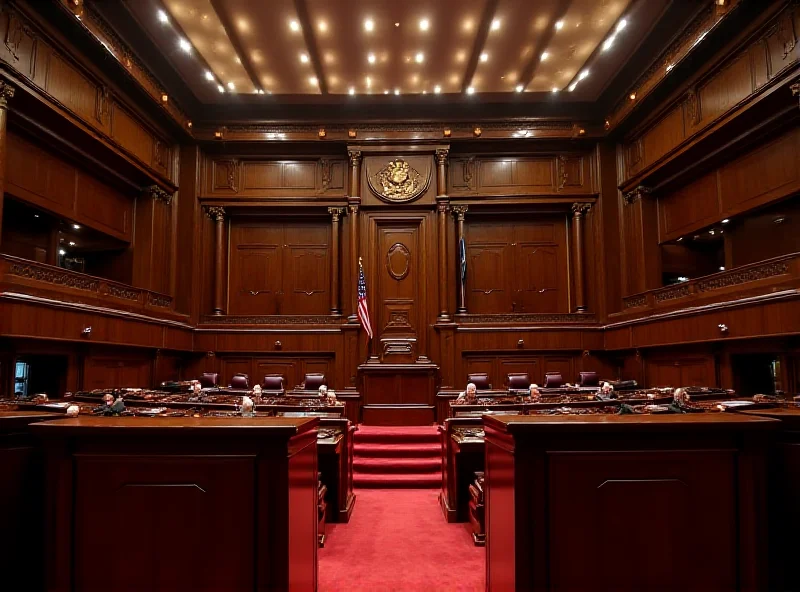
(519, 381)
(240, 381)
(480, 380)
(313, 381)
(553, 380)
(588, 379)
(209, 380)
(273, 382)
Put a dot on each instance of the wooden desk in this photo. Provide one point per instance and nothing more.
(336, 466)
(21, 500)
(181, 503)
(626, 502)
(462, 455)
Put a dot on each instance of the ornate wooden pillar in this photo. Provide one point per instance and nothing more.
(336, 214)
(579, 210)
(217, 214)
(459, 212)
(6, 93)
(354, 201)
(442, 207)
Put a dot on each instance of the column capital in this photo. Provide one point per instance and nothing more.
(636, 194)
(336, 212)
(353, 208)
(441, 155)
(155, 192)
(216, 213)
(355, 157)
(581, 208)
(443, 206)
(6, 94)
(459, 212)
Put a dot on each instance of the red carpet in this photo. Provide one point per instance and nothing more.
(397, 456)
(399, 540)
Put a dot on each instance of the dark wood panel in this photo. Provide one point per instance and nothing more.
(694, 205)
(276, 178)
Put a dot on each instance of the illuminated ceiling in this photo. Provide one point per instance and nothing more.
(565, 49)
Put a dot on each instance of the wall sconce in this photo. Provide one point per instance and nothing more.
(322, 133)
(351, 133)
(477, 132)
(189, 124)
(218, 134)
(581, 132)
(447, 132)
(632, 96)
(164, 98)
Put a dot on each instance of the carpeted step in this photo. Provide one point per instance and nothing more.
(390, 481)
(397, 465)
(373, 435)
(397, 450)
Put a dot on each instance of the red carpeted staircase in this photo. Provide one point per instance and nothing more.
(397, 456)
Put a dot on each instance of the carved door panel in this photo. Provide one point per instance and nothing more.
(401, 298)
(489, 268)
(258, 270)
(306, 269)
(540, 267)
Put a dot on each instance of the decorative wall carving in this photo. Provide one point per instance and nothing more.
(742, 276)
(679, 291)
(272, 320)
(54, 276)
(226, 174)
(469, 173)
(216, 213)
(692, 107)
(526, 318)
(337, 212)
(398, 182)
(398, 261)
(355, 157)
(459, 212)
(635, 301)
(6, 94)
(122, 292)
(325, 170)
(636, 194)
(393, 347)
(155, 192)
(786, 34)
(581, 209)
(441, 156)
(159, 300)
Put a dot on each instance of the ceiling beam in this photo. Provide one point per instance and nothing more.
(547, 35)
(301, 8)
(236, 41)
(480, 41)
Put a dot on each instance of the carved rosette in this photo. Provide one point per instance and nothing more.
(398, 182)
(460, 212)
(216, 213)
(6, 94)
(337, 212)
(155, 192)
(636, 194)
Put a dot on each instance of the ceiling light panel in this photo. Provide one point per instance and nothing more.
(587, 25)
(413, 58)
(512, 46)
(202, 30)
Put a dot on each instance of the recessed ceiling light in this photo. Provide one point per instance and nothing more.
(294, 26)
(368, 81)
(231, 86)
(559, 25)
(519, 88)
(471, 90)
(680, 239)
(424, 24)
(621, 25)
(583, 74)
(572, 86)
(62, 252)
(209, 76)
(484, 57)
(185, 45)
(36, 215)
(260, 91)
(397, 91)
(220, 88)
(162, 16)
(424, 92)
(545, 55)
(352, 90)
(712, 232)
(312, 80)
(608, 43)
(722, 268)
(670, 67)
(437, 89)
(419, 58)
(369, 24)
(726, 220)
(76, 227)
(323, 26)
(495, 24)
(397, 24)
(371, 58)
(386, 92)
(304, 58)
(72, 243)
(555, 89)
(632, 96)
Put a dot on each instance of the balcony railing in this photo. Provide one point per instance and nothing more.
(748, 280)
(39, 279)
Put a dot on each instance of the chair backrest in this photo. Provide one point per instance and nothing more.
(240, 381)
(273, 382)
(480, 380)
(209, 380)
(519, 380)
(588, 379)
(313, 381)
(553, 380)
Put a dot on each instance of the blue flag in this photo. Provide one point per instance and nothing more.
(462, 258)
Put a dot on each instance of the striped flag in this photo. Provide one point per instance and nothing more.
(363, 311)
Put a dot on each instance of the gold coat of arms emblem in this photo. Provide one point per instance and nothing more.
(398, 181)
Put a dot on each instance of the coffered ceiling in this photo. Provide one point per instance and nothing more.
(296, 50)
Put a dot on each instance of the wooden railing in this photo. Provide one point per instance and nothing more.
(746, 280)
(48, 281)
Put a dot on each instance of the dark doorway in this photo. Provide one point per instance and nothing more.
(756, 374)
(34, 374)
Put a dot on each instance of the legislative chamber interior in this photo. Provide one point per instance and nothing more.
(368, 295)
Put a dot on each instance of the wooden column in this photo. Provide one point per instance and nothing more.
(579, 210)
(442, 207)
(459, 212)
(354, 201)
(6, 93)
(217, 214)
(336, 214)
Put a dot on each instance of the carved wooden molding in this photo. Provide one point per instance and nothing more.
(159, 300)
(636, 194)
(54, 276)
(155, 192)
(337, 212)
(216, 213)
(692, 107)
(353, 209)
(6, 94)
(395, 253)
(459, 212)
(581, 209)
(469, 173)
(272, 320)
(355, 157)
(795, 88)
(742, 276)
(441, 156)
(673, 293)
(635, 301)
(561, 165)
(325, 171)
(567, 318)
(442, 206)
(123, 292)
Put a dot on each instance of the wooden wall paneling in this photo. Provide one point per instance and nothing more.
(516, 175)
(663, 136)
(640, 234)
(105, 370)
(284, 366)
(244, 177)
(188, 233)
(695, 205)
(236, 365)
(166, 366)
